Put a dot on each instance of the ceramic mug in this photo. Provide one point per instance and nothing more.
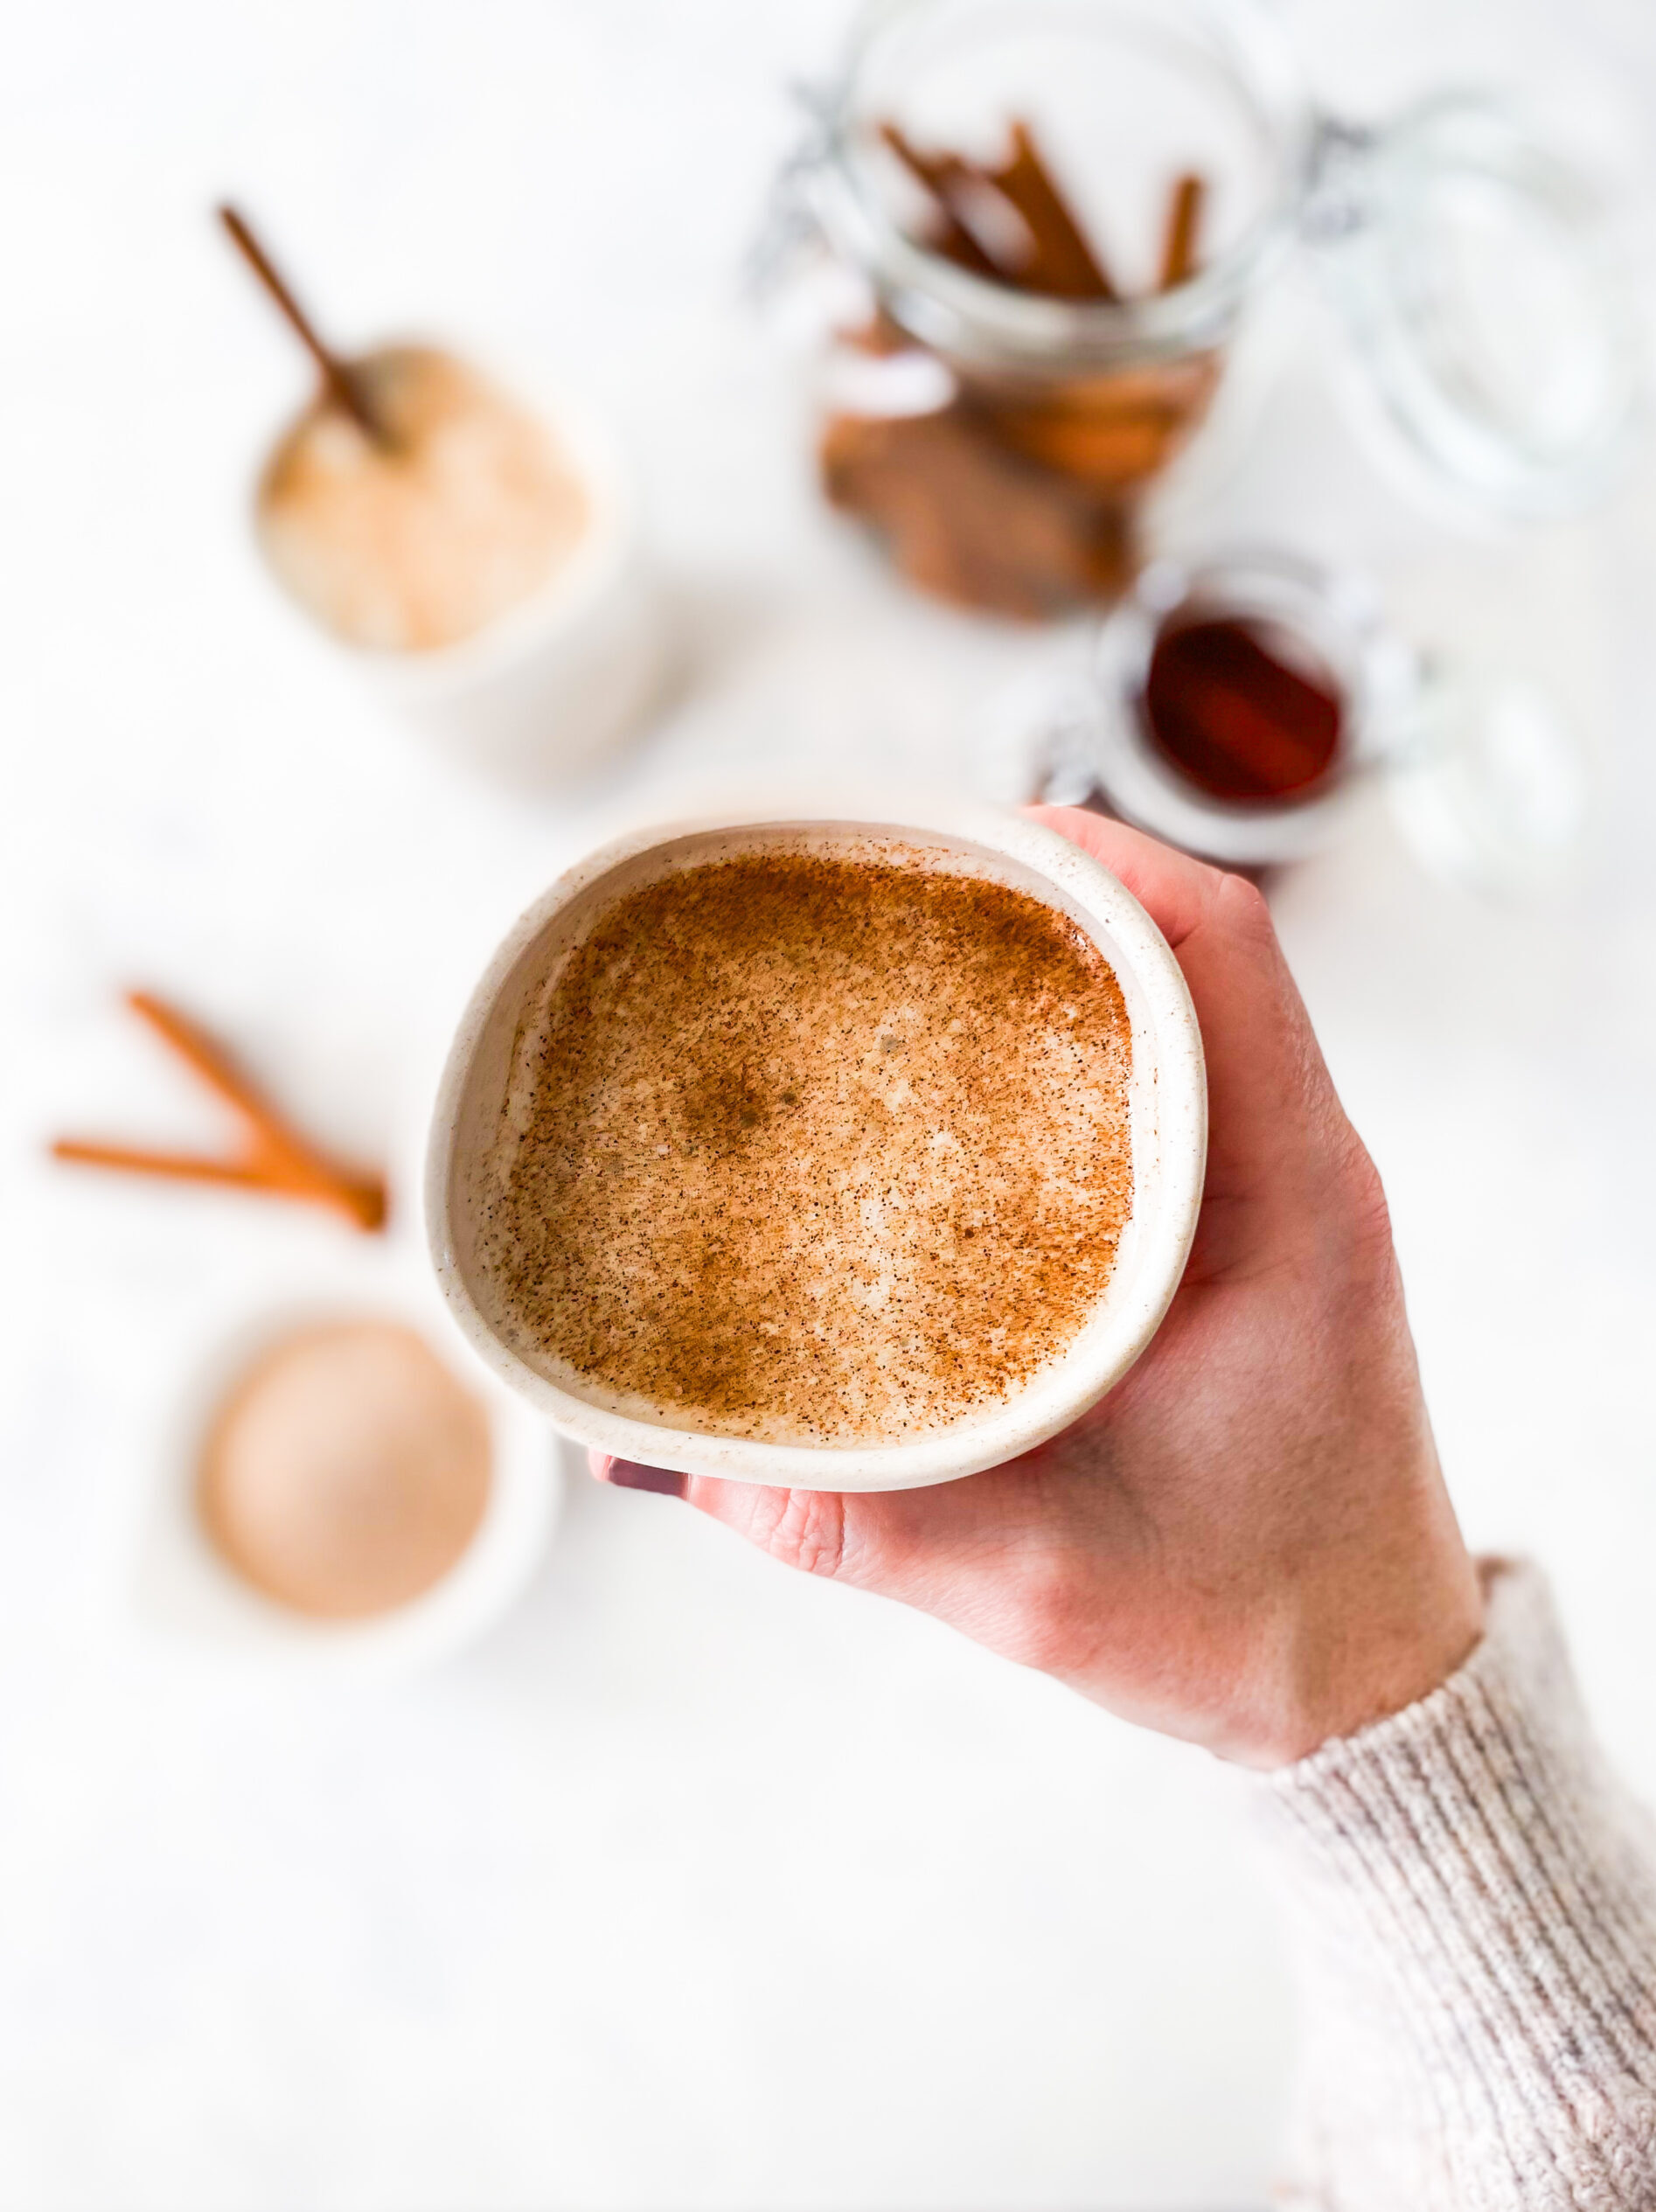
(1168, 1107)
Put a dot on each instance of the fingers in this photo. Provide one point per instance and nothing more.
(1276, 1129)
(818, 1532)
(803, 1528)
(1004, 1556)
(1176, 892)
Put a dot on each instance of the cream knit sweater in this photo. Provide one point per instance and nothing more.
(1475, 1907)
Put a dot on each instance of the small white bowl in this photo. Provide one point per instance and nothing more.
(539, 695)
(1168, 1102)
(181, 1588)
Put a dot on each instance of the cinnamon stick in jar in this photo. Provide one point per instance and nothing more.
(1018, 496)
(1056, 259)
(1063, 265)
(944, 177)
(1185, 208)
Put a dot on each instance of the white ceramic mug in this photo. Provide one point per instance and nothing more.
(1168, 1101)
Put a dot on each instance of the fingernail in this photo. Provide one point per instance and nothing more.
(627, 1474)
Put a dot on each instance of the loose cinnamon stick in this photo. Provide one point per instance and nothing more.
(271, 1134)
(277, 1159)
(184, 1168)
(341, 385)
(288, 1160)
(362, 1203)
(1184, 220)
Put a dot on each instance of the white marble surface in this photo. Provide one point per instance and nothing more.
(694, 1885)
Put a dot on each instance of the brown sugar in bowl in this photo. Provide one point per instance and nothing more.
(348, 1470)
(181, 1589)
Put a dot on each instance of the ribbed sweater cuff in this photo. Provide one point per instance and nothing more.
(1478, 1917)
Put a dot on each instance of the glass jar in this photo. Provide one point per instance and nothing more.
(1321, 623)
(1484, 781)
(1004, 440)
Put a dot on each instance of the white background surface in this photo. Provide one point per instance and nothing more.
(694, 1885)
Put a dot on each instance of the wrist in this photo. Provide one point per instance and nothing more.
(1350, 1663)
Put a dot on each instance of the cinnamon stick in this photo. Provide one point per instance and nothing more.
(281, 1146)
(362, 1203)
(276, 1158)
(941, 176)
(1059, 262)
(1184, 220)
(1063, 265)
(184, 1168)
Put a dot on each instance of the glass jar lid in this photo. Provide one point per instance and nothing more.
(1478, 275)
(1487, 783)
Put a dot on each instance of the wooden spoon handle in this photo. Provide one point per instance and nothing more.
(336, 376)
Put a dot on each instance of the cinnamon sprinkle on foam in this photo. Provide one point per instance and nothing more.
(814, 1149)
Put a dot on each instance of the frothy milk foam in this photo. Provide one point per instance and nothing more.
(821, 1143)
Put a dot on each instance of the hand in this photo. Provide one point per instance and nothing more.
(1247, 1542)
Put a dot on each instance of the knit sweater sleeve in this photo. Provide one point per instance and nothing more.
(1474, 1905)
